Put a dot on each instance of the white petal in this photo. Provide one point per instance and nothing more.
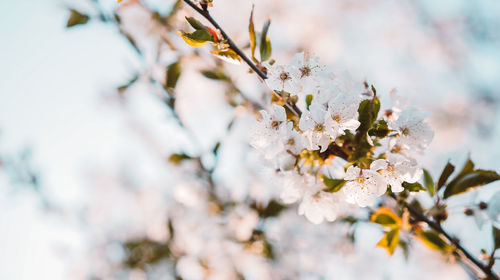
(279, 113)
(378, 164)
(306, 122)
(352, 173)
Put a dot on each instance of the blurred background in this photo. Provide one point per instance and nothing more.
(85, 136)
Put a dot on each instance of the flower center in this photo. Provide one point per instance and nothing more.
(360, 180)
(336, 118)
(405, 131)
(284, 76)
(275, 124)
(397, 149)
(305, 71)
(318, 127)
(316, 196)
(291, 142)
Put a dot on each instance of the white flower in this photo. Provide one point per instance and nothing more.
(266, 135)
(316, 205)
(343, 115)
(293, 188)
(242, 221)
(292, 140)
(396, 170)
(362, 185)
(413, 132)
(190, 268)
(280, 77)
(309, 72)
(312, 123)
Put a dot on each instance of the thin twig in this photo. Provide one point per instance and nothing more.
(206, 14)
(437, 227)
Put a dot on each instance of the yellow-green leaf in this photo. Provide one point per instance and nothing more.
(309, 99)
(390, 241)
(428, 182)
(251, 31)
(76, 18)
(178, 158)
(386, 217)
(471, 181)
(433, 240)
(196, 24)
(333, 185)
(448, 169)
(196, 39)
(173, 73)
(266, 50)
(265, 42)
(413, 187)
(496, 237)
(227, 55)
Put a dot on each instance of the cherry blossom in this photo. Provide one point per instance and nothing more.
(362, 185)
(316, 205)
(343, 115)
(267, 133)
(413, 132)
(280, 77)
(309, 72)
(397, 169)
(312, 123)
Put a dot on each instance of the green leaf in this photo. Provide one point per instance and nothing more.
(265, 42)
(386, 217)
(309, 99)
(273, 209)
(76, 18)
(433, 240)
(178, 158)
(196, 24)
(390, 241)
(496, 237)
(406, 248)
(196, 39)
(379, 129)
(448, 169)
(385, 220)
(142, 252)
(349, 220)
(253, 39)
(429, 183)
(368, 111)
(469, 181)
(468, 167)
(362, 145)
(333, 185)
(215, 75)
(413, 187)
(172, 76)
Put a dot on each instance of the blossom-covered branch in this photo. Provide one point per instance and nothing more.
(339, 152)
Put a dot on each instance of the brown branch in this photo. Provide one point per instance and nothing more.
(437, 227)
(206, 14)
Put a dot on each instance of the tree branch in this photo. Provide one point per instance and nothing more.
(437, 227)
(337, 151)
(204, 12)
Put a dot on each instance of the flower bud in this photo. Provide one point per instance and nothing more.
(483, 205)
(468, 212)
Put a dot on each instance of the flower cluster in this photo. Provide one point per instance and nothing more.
(337, 122)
